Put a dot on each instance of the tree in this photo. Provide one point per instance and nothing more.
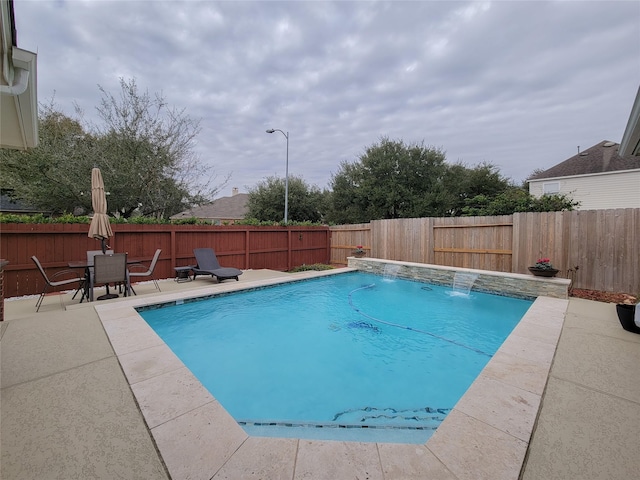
(394, 180)
(516, 199)
(553, 203)
(52, 175)
(144, 150)
(266, 200)
(147, 151)
(464, 183)
(390, 180)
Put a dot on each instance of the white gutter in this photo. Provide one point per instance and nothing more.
(595, 174)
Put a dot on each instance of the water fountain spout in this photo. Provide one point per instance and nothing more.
(463, 282)
(391, 271)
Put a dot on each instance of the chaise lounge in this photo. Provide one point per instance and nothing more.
(208, 265)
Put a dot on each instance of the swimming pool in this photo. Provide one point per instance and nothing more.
(486, 435)
(362, 358)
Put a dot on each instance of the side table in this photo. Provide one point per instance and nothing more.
(183, 273)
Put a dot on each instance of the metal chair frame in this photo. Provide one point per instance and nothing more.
(49, 282)
(148, 272)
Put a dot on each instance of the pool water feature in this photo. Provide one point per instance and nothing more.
(463, 282)
(343, 357)
(391, 271)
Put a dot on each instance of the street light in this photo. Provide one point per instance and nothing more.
(286, 177)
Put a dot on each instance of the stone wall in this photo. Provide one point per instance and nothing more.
(509, 284)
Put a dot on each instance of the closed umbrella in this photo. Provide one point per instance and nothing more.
(100, 227)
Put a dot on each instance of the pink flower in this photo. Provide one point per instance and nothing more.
(544, 264)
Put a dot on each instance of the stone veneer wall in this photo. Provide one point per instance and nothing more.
(510, 284)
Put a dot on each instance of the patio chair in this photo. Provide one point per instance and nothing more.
(56, 283)
(146, 273)
(91, 255)
(208, 265)
(110, 269)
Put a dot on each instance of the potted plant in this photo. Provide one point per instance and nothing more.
(627, 313)
(358, 252)
(543, 268)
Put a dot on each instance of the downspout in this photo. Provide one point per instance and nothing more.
(20, 83)
(16, 78)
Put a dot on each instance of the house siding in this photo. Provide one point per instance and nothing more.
(596, 192)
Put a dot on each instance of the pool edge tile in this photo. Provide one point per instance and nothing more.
(502, 406)
(147, 363)
(165, 397)
(199, 442)
(488, 452)
(130, 334)
(264, 457)
(411, 462)
(337, 460)
(518, 371)
(533, 350)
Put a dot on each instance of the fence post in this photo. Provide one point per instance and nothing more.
(246, 248)
(172, 239)
(288, 248)
(2, 264)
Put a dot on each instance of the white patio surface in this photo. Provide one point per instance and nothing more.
(79, 400)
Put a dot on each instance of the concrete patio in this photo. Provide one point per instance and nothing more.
(68, 410)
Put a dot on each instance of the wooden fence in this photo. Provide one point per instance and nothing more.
(244, 247)
(603, 244)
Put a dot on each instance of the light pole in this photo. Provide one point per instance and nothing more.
(286, 176)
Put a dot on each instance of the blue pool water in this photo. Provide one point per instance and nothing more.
(349, 357)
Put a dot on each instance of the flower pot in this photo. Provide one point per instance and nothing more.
(544, 272)
(359, 255)
(626, 315)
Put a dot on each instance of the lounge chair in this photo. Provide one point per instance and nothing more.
(208, 265)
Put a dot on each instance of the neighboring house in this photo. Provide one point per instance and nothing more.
(17, 207)
(598, 178)
(18, 86)
(223, 211)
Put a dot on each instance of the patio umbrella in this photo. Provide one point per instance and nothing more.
(100, 227)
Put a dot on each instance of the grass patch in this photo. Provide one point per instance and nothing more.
(315, 266)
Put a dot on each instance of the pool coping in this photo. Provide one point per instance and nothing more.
(486, 435)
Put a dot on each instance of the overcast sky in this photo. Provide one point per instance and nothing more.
(517, 84)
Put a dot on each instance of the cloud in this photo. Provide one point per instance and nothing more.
(517, 84)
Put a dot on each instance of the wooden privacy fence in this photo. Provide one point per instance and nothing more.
(603, 244)
(244, 247)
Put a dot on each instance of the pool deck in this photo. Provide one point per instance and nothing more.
(80, 399)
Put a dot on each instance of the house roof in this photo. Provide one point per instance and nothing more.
(11, 205)
(225, 208)
(600, 158)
